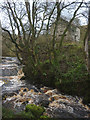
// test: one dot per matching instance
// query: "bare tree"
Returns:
(30, 19)
(69, 24)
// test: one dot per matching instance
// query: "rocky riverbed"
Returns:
(17, 94)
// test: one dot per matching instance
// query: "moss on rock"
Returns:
(37, 111)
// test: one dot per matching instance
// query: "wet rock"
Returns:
(44, 89)
(55, 97)
(25, 90)
(58, 113)
(21, 93)
(51, 99)
(9, 94)
(65, 112)
(44, 103)
(42, 100)
(22, 90)
(39, 93)
(50, 92)
(32, 91)
(60, 107)
(74, 110)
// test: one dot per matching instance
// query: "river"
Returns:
(11, 74)
(17, 93)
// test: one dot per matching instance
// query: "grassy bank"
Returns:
(67, 73)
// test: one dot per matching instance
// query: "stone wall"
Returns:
(72, 34)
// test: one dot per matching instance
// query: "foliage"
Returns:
(7, 46)
(45, 60)
(31, 112)
(76, 73)
(44, 117)
(67, 67)
(6, 113)
(66, 72)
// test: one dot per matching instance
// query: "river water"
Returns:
(9, 79)
(17, 93)
(11, 74)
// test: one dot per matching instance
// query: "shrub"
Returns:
(77, 73)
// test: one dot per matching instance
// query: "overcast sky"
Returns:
(66, 14)
(46, 0)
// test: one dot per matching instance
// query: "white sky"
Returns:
(45, 0)
(65, 13)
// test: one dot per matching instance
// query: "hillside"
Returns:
(7, 45)
(83, 30)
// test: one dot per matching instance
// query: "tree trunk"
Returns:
(87, 45)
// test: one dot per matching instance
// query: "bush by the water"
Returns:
(68, 68)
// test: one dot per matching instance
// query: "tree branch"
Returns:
(17, 46)
(63, 35)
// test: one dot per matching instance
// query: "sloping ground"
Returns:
(83, 30)
(7, 46)
(56, 104)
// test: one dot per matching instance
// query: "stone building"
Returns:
(73, 32)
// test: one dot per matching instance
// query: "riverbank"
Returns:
(17, 94)
(67, 72)
(80, 88)
(55, 104)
